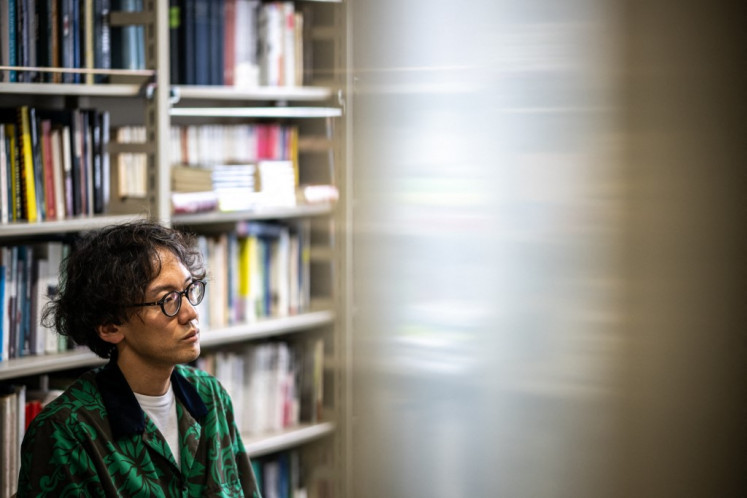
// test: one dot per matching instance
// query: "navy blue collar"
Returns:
(125, 415)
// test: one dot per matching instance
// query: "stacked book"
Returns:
(233, 187)
(226, 187)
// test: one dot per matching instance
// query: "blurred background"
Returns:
(548, 266)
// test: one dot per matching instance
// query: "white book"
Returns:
(288, 13)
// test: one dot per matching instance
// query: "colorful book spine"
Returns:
(28, 184)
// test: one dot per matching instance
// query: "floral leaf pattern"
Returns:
(70, 451)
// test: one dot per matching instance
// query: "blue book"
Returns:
(202, 41)
(12, 20)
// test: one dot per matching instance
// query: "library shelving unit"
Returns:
(147, 98)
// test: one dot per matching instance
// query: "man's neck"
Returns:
(146, 379)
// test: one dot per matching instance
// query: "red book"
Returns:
(48, 165)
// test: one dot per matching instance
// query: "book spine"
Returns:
(54, 38)
(58, 172)
(87, 37)
(77, 40)
(102, 38)
(50, 201)
(15, 172)
(175, 18)
(27, 166)
(105, 159)
(201, 34)
(229, 42)
(67, 47)
(38, 164)
(4, 177)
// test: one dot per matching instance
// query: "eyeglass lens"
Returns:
(173, 301)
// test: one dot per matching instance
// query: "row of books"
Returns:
(233, 187)
(241, 43)
(274, 385)
(131, 167)
(258, 270)
(53, 163)
(280, 475)
(232, 143)
(73, 34)
(28, 277)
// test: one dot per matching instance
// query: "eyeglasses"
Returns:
(171, 303)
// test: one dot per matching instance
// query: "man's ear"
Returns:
(110, 332)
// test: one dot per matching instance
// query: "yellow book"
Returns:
(28, 185)
(244, 267)
(294, 153)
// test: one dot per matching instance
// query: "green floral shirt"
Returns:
(94, 440)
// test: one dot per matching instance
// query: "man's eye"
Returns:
(170, 297)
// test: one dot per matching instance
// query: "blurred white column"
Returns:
(487, 220)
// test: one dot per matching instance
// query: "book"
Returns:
(105, 118)
(77, 38)
(201, 52)
(229, 41)
(50, 201)
(8, 439)
(55, 144)
(38, 164)
(38, 287)
(175, 54)
(87, 39)
(55, 50)
(4, 177)
(102, 57)
(68, 124)
(127, 41)
(14, 166)
(186, 36)
(8, 39)
(27, 176)
(270, 43)
(3, 304)
(95, 156)
(23, 310)
(215, 42)
(65, 13)
(246, 66)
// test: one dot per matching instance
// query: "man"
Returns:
(145, 424)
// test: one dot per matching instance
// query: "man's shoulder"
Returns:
(82, 395)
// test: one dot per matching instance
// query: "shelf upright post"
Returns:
(157, 120)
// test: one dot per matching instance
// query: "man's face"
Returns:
(153, 340)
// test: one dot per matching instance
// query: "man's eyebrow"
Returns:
(165, 287)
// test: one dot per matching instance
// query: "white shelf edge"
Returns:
(264, 213)
(96, 90)
(266, 327)
(296, 93)
(256, 112)
(18, 228)
(37, 364)
(289, 438)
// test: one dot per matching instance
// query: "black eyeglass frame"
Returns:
(181, 294)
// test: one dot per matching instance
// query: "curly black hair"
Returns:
(109, 269)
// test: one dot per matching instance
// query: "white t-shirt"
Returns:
(162, 411)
